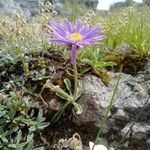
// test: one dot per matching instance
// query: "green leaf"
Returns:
(3, 137)
(12, 146)
(59, 92)
(39, 148)
(62, 94)
(96, 54)
(85, 70)
(87, 61)
(104, 64)
(68, 85)
(78, 109)
(29, 138)
(57, 116)
(80, 89)
(32, 129)
(43, 125)
(18, 138)
(40, 114)
(2, 113)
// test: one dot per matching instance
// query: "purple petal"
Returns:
(78, 25)
(56, 31)
(91, 40)
(97, 38)
(73, 54)
(94, 39)
(91, 33)
(57, 35)
(84, 29)
(81, 43)
(68, 26)
(57, 27)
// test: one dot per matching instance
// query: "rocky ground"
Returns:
(133, 94)
(130, 109)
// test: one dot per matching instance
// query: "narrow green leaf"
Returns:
(68, 85)
(80, 89)
(18, 138)
(29, 138)
(85, 70)
(63, 95)
(57, 116)
(104, 64)
(3, 137)
(87, 61)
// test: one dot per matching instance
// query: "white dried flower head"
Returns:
(92, 12)
(97, 147)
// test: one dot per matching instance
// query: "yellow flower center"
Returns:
(75, 36)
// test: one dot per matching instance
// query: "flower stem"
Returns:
(75, 80)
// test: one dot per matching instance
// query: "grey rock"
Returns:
(30, 6)
(59, 7)
(145, 73)
(8, 6)
(139, 130)
(94, 101)
(148, 141)
(147, 68)
(121, 115)
(26, 7)
(91, 3)
(131, 96)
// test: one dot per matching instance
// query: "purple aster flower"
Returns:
(75, 35)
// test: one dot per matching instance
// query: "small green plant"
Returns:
(95, 60)
(67, 96)
(128, 26)
(136, 35)
(115, 24)
(14, 118)
(35, 123)
(17, 143)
